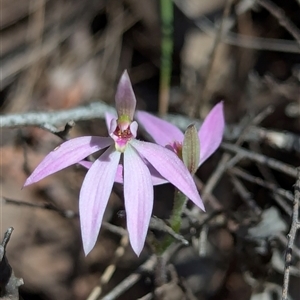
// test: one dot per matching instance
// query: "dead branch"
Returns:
(110, 270)
(155, 223)
(50, 120)
(129, 281)
(291, 238)
(146, 267)
(9, 284)
(257, 180)
(239, 40)
(279, 14)
(262, 159)
(54, 120)
(203, 85)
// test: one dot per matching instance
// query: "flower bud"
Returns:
(191, 149)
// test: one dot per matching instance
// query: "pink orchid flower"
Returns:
(138, 158)
(166, 134)
(156, 178)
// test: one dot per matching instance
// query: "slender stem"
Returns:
(166, 13)
(179, 205)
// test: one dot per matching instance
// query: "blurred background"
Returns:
(60, 54)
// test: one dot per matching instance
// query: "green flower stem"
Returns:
(190, 153)
(179, 205)
(166, 13)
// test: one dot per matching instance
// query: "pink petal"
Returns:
(168, 164)
(125, 98)
(162, 132)
(119, 174)
(138, 194)
(112, 127)
(85, 163)
(211, 132)
(157, 179)
(133, 128)
(94, 195)
(108, 119)
(67, 154)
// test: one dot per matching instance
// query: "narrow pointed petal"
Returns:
(211, 132)
(94, 195)
(162, 132)
(170, 167)
(138, 194)
(67, 154)
(125, 98)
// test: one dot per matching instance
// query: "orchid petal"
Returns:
(108, 119)
(94, 195)
(68, 153)
(85, 163)
(162, 132)
(168, 164)
(112, 127)
(211, 132)
(138, 195)
(157, 179)
(133, 128)
(119, 174)
(125, 98)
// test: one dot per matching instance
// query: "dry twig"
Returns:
(257, 180)
(262, 159)
(110, 270)
(155, 223)
(203, 86)
(246, 196)
(52, 122)
(279, 14)
(9, 284)
(291, 239)
(129, 281)
(239, 40)
(146, 267)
